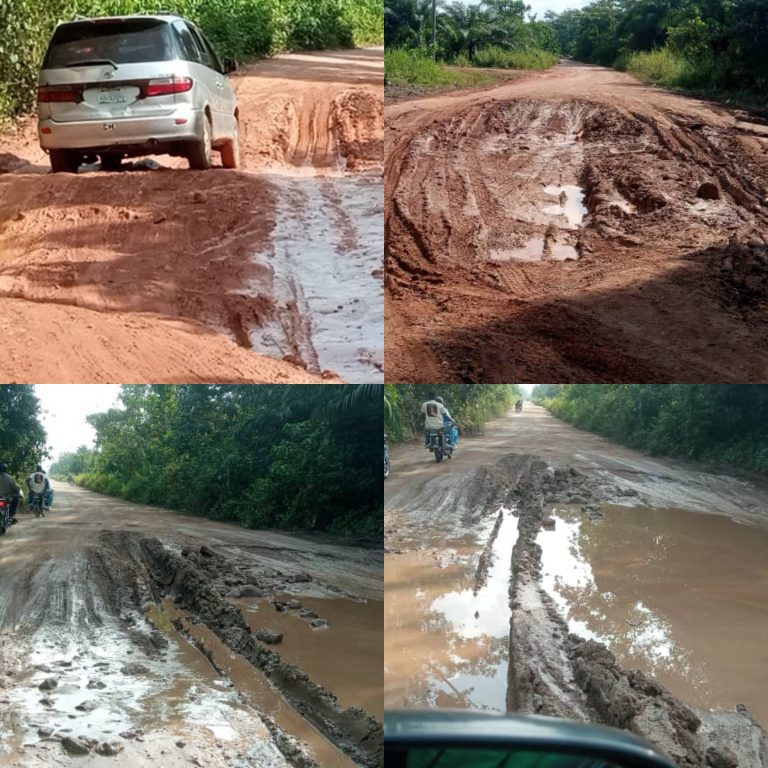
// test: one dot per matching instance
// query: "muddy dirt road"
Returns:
(546, 570)
(575, 225)
(138, 635)
(272, 273)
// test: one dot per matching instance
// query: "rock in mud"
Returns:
(48, 684)
(47, 702)
(298, 578)
(76, 745)
(110, 748)
(251, 590)
(721, 757)
(44, 731)
(319, 623)
(708, 191)
(207, 551)
(307, 614)
(87, 706)
(233, 593)
(135, 668)
(269, 636)
(548, 523)
(294, 605)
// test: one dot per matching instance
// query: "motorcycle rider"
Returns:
(10, 489)
(433, 412)
(38, 482)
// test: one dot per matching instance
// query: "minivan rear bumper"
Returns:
(127, 134)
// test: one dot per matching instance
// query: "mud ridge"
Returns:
(556, 673)
(486, 557)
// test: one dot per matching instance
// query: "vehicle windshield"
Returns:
(119, 42)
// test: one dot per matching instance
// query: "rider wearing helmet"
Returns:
(10, 489)
(38, 482)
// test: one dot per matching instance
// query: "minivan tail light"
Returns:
(167, 85)
(47, 94)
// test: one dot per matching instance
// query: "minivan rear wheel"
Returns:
(65, 161)
(230, 152)
(199, 155)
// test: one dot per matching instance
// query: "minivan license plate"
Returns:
(112, 96)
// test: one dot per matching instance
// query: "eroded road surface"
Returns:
(272, 273)
(136, 635)
(546, 570)
(575, 225)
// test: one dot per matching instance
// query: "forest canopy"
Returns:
(300, 457)
(471, 405)
(713, 422)
(692, 44)
(22, 436)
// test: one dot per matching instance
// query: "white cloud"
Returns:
(65, 407)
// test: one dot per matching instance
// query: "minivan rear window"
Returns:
(122, 42)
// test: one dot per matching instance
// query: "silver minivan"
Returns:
(131, 86)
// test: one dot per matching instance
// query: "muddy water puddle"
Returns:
(260, 692)
(537, 249)
(680, 595)
(570, 203)
(444, 645)
(354, 634)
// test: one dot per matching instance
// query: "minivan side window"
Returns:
(187, 44)
(210, 59)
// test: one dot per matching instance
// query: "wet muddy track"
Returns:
(454, 565)
(170, 648)
(244, 267)
(575, 226)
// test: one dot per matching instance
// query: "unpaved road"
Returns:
(268, 274)
(149, 626)
(643, 608)
(556, 229)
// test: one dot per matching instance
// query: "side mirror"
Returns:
(230, 65)
(454, 739)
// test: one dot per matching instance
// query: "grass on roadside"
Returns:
(500, 58)
(702, 79)
(414, 67)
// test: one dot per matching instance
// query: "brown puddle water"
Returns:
(345, 657)
(444, 646)
(261, 693)
(678, 594)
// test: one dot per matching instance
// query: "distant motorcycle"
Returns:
(37, 504)
(386, 458)
(519, 406)
(440, 446)
(5, 515)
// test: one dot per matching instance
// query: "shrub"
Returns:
(501, 58)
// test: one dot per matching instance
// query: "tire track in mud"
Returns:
(671, 254)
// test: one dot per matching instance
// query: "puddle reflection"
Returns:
(668, 591)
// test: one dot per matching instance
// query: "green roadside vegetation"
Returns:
(494, 35)
(709, 48)
(724, 423)
(472, 405)
(300, 457)
(22, 436)
(239, 29)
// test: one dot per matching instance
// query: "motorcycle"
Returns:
(37, 504)
(439, 445)
(5, 515)
(386, 458)
(518, 407)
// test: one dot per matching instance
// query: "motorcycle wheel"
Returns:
(438, 454)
